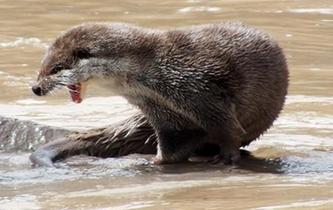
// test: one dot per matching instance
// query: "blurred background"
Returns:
(297, 150)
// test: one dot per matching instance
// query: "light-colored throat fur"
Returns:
(118, 77)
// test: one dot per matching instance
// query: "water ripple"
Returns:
(21, 41)
(199, 9)
(326, 11)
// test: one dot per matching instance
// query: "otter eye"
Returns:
(56, 69)
(82, 54)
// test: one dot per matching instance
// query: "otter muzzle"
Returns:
(37, 90)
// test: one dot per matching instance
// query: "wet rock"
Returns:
(26, 135)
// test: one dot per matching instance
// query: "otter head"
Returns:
(74, 57)
(63, 55)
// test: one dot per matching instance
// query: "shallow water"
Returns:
(293, 164)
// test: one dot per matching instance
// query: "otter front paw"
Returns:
(157, 160)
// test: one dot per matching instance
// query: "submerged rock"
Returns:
(26, 135)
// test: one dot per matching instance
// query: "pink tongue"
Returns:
(75, 92)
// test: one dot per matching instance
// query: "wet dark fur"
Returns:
(221, 84)
(134, 135)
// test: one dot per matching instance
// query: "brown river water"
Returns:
(293, 164)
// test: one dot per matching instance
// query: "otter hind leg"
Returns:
(224, 129)
(229, 143)
(177, 145)
(178, 137)
(67, 146)
(44, 156)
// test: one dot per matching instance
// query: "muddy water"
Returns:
(293, 164)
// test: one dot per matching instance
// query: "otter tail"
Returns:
(134, 135)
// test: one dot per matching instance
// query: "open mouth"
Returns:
(75, 92)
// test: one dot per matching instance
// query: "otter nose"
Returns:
(37, 90)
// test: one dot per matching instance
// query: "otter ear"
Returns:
(81, 53)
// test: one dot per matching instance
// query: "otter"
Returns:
(217, 84)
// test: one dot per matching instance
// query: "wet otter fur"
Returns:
(218, 84)
(133, 135)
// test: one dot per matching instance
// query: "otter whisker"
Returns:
(72, 90)
(57, 88)
(65, 79)
(61, 84)
(51, 92)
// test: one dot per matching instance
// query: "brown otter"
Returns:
(221, 84)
